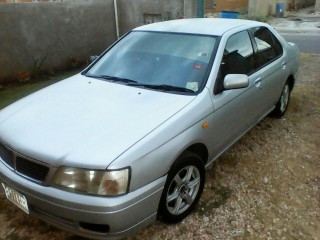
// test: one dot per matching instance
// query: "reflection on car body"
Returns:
(108, 151)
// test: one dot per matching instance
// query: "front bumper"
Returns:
(89, 216)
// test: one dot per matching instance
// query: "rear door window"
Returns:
(268, 46)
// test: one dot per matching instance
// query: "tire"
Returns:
(282, 104)
(183, 188)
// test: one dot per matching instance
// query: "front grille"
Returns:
(7, 155)
(22, 165)
(31, 169)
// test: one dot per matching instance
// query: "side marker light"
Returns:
(205, 125)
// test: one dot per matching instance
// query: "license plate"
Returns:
(17, 198)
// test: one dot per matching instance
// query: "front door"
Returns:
(235, 111)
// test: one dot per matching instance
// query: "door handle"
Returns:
(257, 82)
(284, 65)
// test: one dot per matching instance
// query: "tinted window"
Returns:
(237, 58)
(277, 45)
(268, 47)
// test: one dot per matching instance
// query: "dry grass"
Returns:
(265, 187)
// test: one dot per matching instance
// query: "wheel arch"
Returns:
(291, 82)
(186, 161)
(200, 149)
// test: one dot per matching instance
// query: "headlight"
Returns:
(96, 182)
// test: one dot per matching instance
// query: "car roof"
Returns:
(205, 26)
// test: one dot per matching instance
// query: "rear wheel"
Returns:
(183, 188)
(283, 102)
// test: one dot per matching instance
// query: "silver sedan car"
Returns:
(108, 151)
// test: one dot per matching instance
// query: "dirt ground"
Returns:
(265, 187)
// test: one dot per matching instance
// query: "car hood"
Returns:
(85, 122)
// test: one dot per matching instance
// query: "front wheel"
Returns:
(283, 102)
(183, 188)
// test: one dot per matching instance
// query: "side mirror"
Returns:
(93, 58)
(235, 81)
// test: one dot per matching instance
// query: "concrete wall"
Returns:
(258, 8)
(298, 4)
(62, 32)
(291, 5)
(239, 5)
(190, 8)
(317, 6)
(263, 8)
(131, 13)
(68, 32)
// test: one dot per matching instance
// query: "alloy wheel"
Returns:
(183, 190)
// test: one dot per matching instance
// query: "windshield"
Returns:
(147, 59)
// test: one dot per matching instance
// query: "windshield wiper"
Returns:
(112, 78)
(164, 87)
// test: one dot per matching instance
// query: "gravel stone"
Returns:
(265, 180)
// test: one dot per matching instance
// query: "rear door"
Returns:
(271, 66)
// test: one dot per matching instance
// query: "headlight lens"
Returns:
(96, 182)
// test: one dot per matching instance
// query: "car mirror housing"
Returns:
(235, 81)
